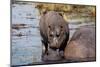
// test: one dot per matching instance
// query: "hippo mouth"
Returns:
(54, 45)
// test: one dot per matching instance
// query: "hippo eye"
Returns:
(61, 26)
(51, 35)
(49, 26)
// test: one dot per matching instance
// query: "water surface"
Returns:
(26, 41)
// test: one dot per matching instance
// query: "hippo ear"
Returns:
(44, 12)
(61, 14)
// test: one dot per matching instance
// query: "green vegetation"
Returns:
(68, 11)
(65, 8)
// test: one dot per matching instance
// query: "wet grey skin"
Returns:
(54, 32)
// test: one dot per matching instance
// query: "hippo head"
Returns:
(56, 29)
(56, 34)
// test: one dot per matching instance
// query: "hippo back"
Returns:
(82, 46)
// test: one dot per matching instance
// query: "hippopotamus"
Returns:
(82, 46)
(54, 31)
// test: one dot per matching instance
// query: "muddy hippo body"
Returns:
(54, 31)
(82, 46)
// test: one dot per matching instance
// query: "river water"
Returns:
(26, 45)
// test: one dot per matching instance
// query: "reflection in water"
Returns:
(26, 40)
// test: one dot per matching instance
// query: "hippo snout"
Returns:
(55, 43)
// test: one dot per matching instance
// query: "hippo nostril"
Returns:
(55, 40)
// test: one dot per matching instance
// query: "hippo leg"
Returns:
(61, 53)
(63, 45)
(46, 47)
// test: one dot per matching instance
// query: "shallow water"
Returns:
(27, 47)
(26, 42)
